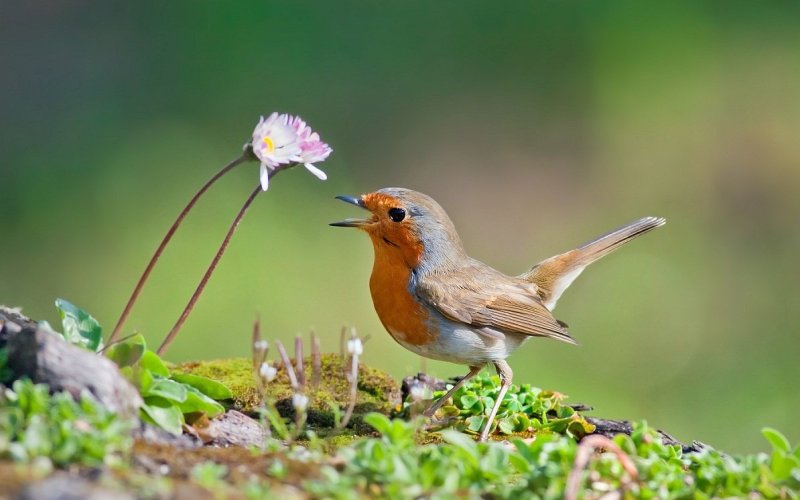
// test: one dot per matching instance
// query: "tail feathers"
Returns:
(607, 243)
(552, 276)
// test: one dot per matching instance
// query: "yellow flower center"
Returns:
(270, 144)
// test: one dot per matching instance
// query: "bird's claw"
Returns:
(435, 425)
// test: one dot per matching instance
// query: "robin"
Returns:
(438, 302)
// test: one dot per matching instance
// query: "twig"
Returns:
(342, 342)
(355, 347)
(200, 287)
(287, 364)
(316, 360)
(585, 449)
(298, 360)
(260, 348)
(300, 404)
(260, 351)
(258, 342)
(246, 155)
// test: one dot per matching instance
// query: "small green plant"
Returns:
(524, 409)
(35, 425)
(79, 327)
(168, 397)
(210, 475)
(395, 466)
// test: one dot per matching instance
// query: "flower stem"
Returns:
(188, 309)
(247, 155)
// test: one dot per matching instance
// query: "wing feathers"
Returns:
(502, 307)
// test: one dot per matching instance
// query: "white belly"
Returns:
(458, 343)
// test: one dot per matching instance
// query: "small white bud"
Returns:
(260, 345)
(267, 372)
(300, 402)
(355, 347)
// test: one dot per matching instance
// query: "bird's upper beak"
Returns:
(357, 201)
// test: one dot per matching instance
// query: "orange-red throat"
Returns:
(398, 251)
(390, 227)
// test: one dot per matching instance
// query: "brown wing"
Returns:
(505, 305)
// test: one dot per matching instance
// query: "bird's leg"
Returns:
(473, 370)
(504, 370)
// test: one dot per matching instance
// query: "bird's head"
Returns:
(406, 225)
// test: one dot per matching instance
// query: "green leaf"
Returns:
(783, 464)
(151, 361)
(164, 414)
(379, 422)
(196, 401)
(127, 353)
(469, 400)
(80, 328)
(777, 440)
(506, 426)
(519, 462)
(523, 422)
(450, 411)
(167, 389)
(460, 440)
(145, 379)
(475, 423)
(209, 474)
(210, 388)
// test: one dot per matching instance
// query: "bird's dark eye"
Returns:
(397, 214)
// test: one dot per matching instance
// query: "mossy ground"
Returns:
(377, 391)
(397, 464)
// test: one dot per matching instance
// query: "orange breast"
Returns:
(399, 311)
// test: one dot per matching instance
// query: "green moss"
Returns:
(235, 373)
(342, 440)
(377, 391)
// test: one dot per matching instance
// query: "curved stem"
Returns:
(199, 290)
(150, 265)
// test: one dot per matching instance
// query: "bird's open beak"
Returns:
(357, 201)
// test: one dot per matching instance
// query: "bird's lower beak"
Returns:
(357, 201)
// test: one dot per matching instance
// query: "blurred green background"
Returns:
(537, 125)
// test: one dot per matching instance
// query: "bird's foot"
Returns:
(436, 425)
(429, 412)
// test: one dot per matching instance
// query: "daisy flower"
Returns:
(275, 143)
(312, 149)
(282, 139)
